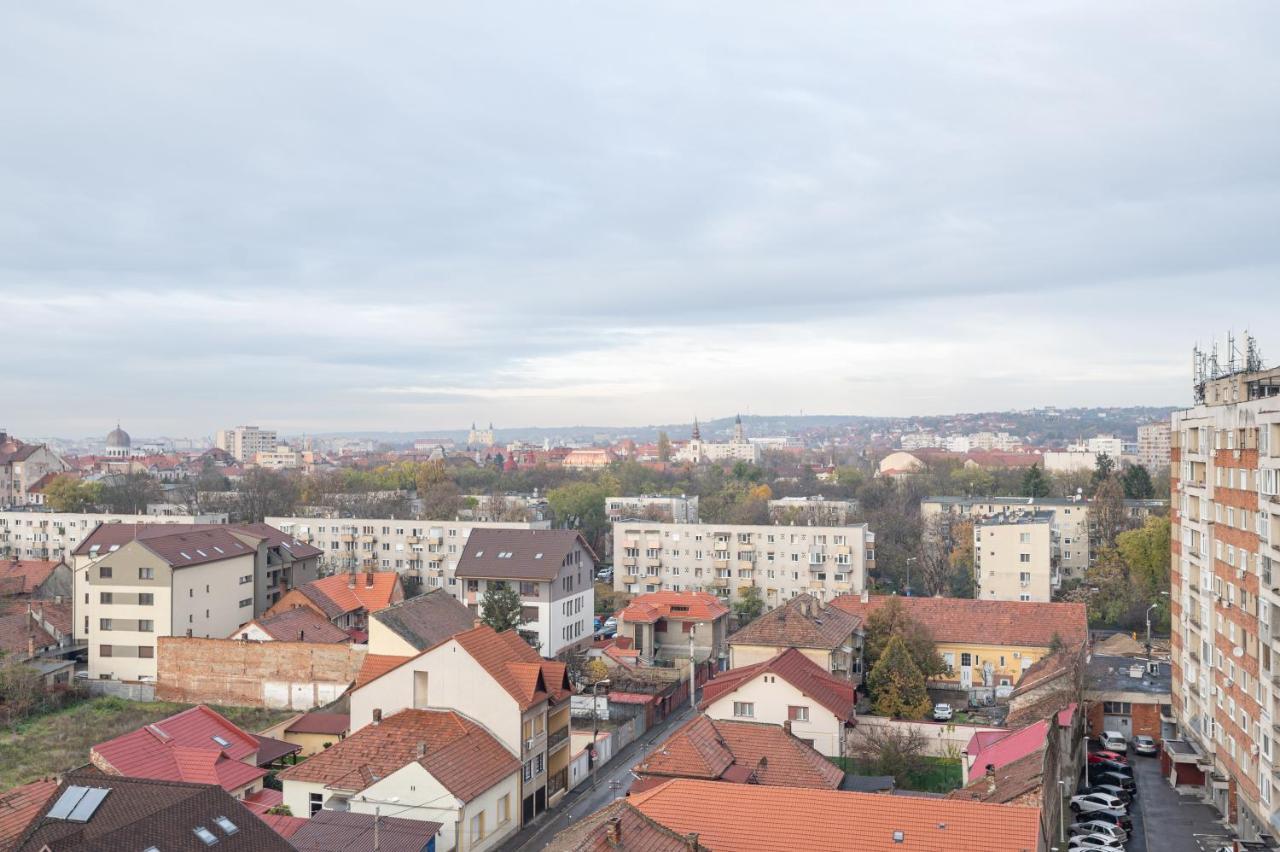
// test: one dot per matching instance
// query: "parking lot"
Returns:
(1164, 821)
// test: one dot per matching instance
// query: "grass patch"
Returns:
(936, 774)
(52, 743)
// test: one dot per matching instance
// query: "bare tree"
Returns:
(889, 749)
(933, 556)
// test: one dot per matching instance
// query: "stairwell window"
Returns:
(744, 709)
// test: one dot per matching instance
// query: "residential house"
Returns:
(497, 680)
(740, 817)
(665, 625)
(433, 765)
(787, 689)
(345, 599)
(413, 625)
(552, 570)
(301, 624)
(22, 465)
(19, 807)
(39, 634)
(316, 731)
(92, 812)
(346, 830)
(985, 644)
(35, 578)
(737, 752)
(827, 635)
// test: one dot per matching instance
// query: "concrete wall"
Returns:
(944, 740)
(292, 675)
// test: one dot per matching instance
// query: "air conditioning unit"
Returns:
(528, 745)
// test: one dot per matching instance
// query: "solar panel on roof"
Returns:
(83, 812)
(66, 802)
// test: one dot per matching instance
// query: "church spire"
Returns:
(697, 436)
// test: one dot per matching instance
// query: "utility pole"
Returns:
(595, 726)
(693, 683)
(377, 812)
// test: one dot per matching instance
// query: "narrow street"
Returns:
(612, 780)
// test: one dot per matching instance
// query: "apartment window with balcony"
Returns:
(1024, 577)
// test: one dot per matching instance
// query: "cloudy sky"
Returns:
(411, 215)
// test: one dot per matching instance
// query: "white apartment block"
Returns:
(53, 535)
(812, 511)
(1013, 557)
(1226, 599)
(245, 442)
(283, 457)
(426, 551)
(1154, 443)
(679, 510)
(780, 561)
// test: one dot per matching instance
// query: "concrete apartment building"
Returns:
(54, 535)
(724, 559)
(22, 465)
(679, 510)
(134, 582)
(422, 551)
(812, 511)
(245, 442)
(1154, 443)
(1225, 602)
(552, 571)
(1013, 557)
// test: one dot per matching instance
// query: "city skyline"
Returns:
(413, 220)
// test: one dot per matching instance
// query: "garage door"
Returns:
(1123, 724)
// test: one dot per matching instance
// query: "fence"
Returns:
(942, 739)
(120, 689)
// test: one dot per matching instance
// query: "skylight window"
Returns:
(205, 835)
(226, 825)
(184, 554)
(202, 553)
(479, 553)
(537, 556)
(219, 549)
(113, 548)
(222, 741)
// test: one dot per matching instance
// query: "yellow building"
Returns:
(984, 643)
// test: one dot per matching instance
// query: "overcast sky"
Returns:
(410, 216)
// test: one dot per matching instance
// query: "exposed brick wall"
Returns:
(294, 675)
(1144, 719)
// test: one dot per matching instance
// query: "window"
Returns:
(146, 599)
(798, 714)
(104, 572)
(504, 809)
(146, 573)
(744, 709)
(315, 802)
(104, 624)
(104, 597)
(537, 764)
(104, 650)
(205, 835)
(528, 770)
(147, 652)
(477, 827)
(243, 603)
(966, 659)
(1024, 557)
(247, 578)
(146, 625)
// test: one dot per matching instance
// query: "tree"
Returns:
(1106, 513)
(1145, 552)
(441, 501)
(1034, 482)
(664, 447)
(973, 481)
(897, 685)
(1103, 468)
(1137, 483)
(933, 556)
(749, 605)
(961, 557)
(891, 621)
(67, 493)
(266, 492)
(897, 750)
(129, 494)
(595, 670)
(580, 506)
(500, 607)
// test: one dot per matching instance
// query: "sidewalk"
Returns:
(612, 780)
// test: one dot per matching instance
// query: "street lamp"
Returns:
(907, 591)
(595, 725)
(1153, 606)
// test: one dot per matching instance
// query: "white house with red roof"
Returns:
(661, 625)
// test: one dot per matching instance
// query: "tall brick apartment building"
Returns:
(1225, 597)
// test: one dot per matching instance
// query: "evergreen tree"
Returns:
(1035, 483)
(897, 684)
(749, 605)
(500, 607)
(1137, 483)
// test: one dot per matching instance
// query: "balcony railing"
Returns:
(557, 738)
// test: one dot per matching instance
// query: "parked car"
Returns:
(1124, 782)
(1090, 802)
(1113, 741)
(605, 575)
(1113, 756)
(1094, 843)
(1110, 789)
(611, 623)
(1098, 826)
(1143, 744)
(942, 713)
(1111, 766)
(1115, 817)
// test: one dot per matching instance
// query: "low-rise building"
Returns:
(345, 599)
(299, 624)
(349, 830)
(725, 559)
(1013, 557)
(551, 570)
(667, 626)
(1129, 695)
(22, 465)
(588, 458)
(316, 731)
(437, 766)
(828, 636)
(814, 511)
(984, 644)
(35, 578)
(738, 448)
(413, 625)
(789, 689)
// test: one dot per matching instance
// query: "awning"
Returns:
(270, 750)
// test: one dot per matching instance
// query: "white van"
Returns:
(1113, 741)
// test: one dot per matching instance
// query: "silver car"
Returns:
(1143, 744)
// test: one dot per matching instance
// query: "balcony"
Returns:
(629, 561)
(412, 539)
(720, 583)
(557, 739)
(629, 578)
(346, 538)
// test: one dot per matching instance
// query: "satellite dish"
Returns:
(1237, 651)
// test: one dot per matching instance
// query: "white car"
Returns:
(1113, 741)
(942, 712)
(1097, 802)
(1099, 828)
(1142, 744)
(1095, 843)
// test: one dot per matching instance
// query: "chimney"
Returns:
(691, 841)
(613, 831)
(368, 580)
(31, 645)
(351, 578)
(865, 596)
(422, 749)
(991, 779)
(786, 725)
(377, 715)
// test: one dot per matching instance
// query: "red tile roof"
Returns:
(261, 801)
(978, 622)
(338, 594)
(182, 748)
(299, 624)
(678, 606)
(984, 752)
(285, 826)
(764, 754)
(1018, 782)
(320, 723)
(18, 632)
(23, 576)
(636, 832)
(354, 832)
(802, 622)
(835, 694)
(278, 538)
(465, 758)
(515, 665)
(746, 817)
(19, 806)
(56, 615)
(376, 665)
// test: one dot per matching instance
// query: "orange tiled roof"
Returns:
(795, 668)
(458, 753)
(19, 806)
(372, 591)
(376, 665)
(515, 665)
(681, 606)
(24, 576)
(746, 817)
(978, 622)
(732, 750)
(802, 622)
